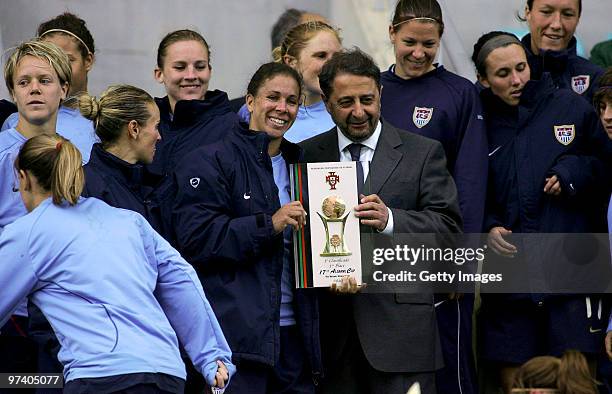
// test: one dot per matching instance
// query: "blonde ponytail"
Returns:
(277, 55)
(56, 164)
(116, 107)
(297, 39)
(68, 178)
(89, 107)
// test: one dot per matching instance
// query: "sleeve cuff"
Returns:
(564, 177)
(388, 230)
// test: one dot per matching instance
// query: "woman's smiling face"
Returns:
(185, 72)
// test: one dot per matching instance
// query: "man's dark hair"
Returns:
(351, 61)
(288, 20)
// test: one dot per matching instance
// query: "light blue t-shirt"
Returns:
(281, 179)
(310, 121)
(70, 125)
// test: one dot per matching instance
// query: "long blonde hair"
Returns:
(56, 164)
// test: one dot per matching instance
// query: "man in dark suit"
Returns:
(381, 343)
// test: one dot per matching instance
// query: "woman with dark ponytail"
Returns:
(192, 115)
(117, 295)
(423, 97)
(558, 187)
(545, 374)
(234, 218)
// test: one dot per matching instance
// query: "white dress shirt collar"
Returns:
(370, 142)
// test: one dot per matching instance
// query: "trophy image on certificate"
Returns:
(334, 220)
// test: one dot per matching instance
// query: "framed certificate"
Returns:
(329, 246)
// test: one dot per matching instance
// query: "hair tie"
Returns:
(58, 146)
(66, 32)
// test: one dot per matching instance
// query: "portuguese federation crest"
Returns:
(421, 116)
(332, 180)
(580, 83)
(565, 134)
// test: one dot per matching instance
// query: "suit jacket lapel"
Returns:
(328, 148)
(385, 159)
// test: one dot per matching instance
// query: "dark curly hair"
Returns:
(75, 25)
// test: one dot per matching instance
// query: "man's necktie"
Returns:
(355, 151)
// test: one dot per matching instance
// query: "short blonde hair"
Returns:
(44, 50)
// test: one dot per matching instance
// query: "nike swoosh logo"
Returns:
(246, 196)
(495, 150)
(593, 331)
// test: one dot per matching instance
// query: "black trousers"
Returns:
(353, 374)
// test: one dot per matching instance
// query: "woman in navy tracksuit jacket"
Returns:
(425, 98)
(116, 172)
(231, 197)
(191, 115)
(192, 124)
(557, 55)
(545, 176)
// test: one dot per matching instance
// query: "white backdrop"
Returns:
(127, 32)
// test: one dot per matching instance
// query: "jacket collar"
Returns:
(537, 90)
(548, 60)
(291, 152)
(386, 158)
(188, 112)
(258, 141)
(133, 174)
(439, 69)
(567, 52)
